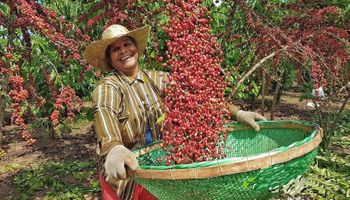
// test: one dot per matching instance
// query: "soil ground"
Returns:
(77, 146)
(80, 144)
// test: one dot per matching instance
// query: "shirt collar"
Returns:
(139, 77)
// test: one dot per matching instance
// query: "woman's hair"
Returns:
(108, 56)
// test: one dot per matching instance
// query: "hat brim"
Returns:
(95, 52)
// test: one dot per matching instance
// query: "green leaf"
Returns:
(89, 112)
(161, 119)
(5, 10)
(36, 185)
(248, 182)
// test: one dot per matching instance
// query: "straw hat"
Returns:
(95, 51)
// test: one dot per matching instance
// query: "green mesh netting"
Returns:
(240, 144)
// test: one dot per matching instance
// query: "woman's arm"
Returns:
(107, 100)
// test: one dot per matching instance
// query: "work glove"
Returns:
(249, 118)
(120, 163)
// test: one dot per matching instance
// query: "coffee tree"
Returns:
(35, 77)
(305, 41)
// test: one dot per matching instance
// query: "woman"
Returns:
(127, 104)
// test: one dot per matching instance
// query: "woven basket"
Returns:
(255, 164)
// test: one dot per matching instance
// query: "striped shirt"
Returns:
(123, 106)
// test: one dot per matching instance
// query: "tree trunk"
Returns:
(2, 114)
(283, 83)
(274, 101)
(52, 133)
(263, 93)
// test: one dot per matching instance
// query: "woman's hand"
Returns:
(117, 160)
(249, 118)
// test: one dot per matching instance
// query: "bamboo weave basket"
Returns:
(256, 163)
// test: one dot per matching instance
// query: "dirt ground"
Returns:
(80, 144)
(77, 146)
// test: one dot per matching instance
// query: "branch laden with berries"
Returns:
(26, 23)
(309, 38)
(194, 95)
(315, 40)
(316, 44)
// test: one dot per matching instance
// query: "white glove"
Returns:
(117, 160)
(249, 118)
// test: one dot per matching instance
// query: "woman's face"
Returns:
(124, 55)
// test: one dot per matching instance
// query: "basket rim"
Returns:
(226, 166)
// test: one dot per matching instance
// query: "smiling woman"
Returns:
(126, 107)
(122, 55)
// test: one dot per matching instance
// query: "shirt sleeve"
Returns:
(106, 104)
